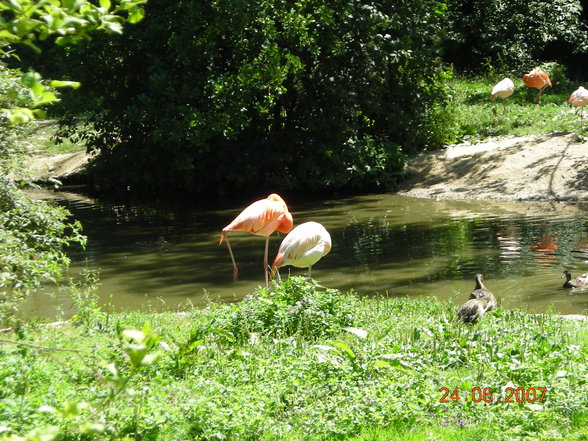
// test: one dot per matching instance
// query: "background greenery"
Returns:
(514, 35)
(220, 97)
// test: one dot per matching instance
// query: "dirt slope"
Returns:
(65, 167)
(545, 167)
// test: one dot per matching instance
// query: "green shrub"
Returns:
(296, 306)
(210, 97)
(33, 238)
(33, 233)
(558, 74)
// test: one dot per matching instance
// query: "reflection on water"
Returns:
(162, 256)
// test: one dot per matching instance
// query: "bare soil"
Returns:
(63, 167)
(537, 167)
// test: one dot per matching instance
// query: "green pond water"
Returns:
(386, 245)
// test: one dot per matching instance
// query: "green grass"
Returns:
(476, 118)
(39, 139)
(294, 364)
(574, 429)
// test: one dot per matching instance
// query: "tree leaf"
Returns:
(59, 83)
(105, 4)
(136, 15)
(15, 5)
(345, 348)
(46, 98)
(8, 36)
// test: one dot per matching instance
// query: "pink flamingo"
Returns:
(262, 218)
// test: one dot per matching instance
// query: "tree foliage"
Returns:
(215, 97)
(26, 22)
(514, 34)
(33, 234)
(33, 238)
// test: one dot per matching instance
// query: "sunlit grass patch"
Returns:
(39, 137)
(476, 118)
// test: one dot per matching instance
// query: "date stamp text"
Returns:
(487, 395)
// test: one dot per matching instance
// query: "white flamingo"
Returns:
(503, 89)
(579, 99)
(304, 246)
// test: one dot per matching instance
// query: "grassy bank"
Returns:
(40, 138)
(475, 117)
(297, 362)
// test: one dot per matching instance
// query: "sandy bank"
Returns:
(538, 167)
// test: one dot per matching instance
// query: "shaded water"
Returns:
(382, 245)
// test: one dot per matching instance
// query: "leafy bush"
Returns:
(295, 306)
(33, 238)
(558, 74)
(219, 97)
(33, 233)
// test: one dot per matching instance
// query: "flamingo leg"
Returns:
(265, 265)
(235, 269)
(310, 271)
(538, 98)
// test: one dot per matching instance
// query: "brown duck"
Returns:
(480, 302)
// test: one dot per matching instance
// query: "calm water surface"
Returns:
(382, 245)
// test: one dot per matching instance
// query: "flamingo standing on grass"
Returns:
(304, 246)
(503, 89)
(262, 218)
(579, 99)
(537, 79)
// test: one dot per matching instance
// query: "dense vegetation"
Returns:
(220, 97)
(296, 362)
(514, 35)
(214, 97)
